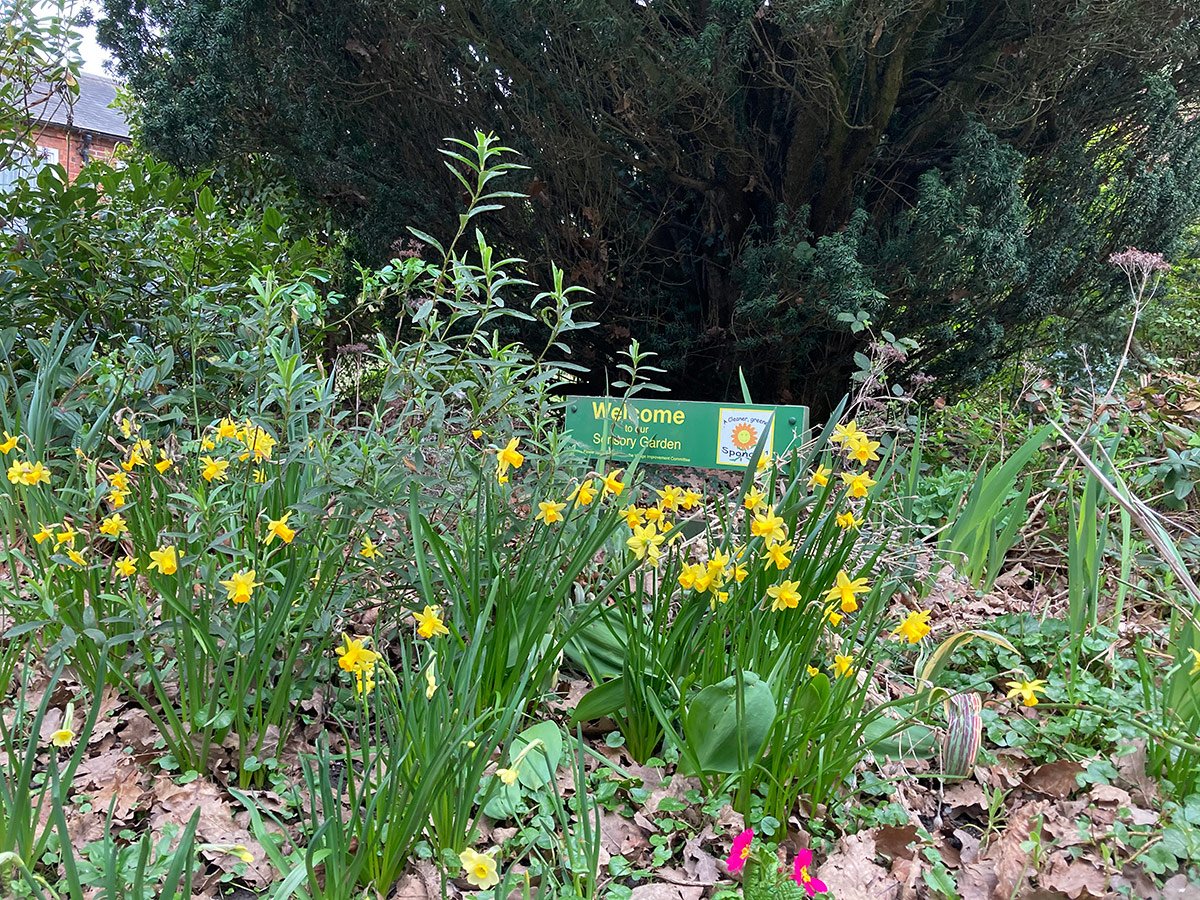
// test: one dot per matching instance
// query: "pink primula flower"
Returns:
(812, 886)
(740, 851)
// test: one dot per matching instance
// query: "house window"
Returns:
(23, 165)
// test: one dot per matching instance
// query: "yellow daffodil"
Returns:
(813, 671)
(717, 562)
(431, 684)
(480, 868)
(1026, 690)
(768, 526)
(63, 737)
(688, 575)
(364, 682)
(278, 528)
(368, 550)
(550, 511)
(508, 776)
(429, 622)
(754, 499)
(652, 514)
(227, 429)
(613, 483)
(690, 499)
(44, 533)
(843, 666)
(207, 444)
(1192, 650)
(833, 616)
(356, 659)
(847, 521)
(237, 851)
(9, 443)
(915, 626)
(119, 481)
(117, 498)
(778, 555)
(633, 515)
(113, 525)
(508, 457)
(164, 462)
(645, 542)
(820, 477)
(857, 483)
(125, 566)
(258, 443)
(846, 591)
(240, 586)
(739, 573)
(133, 460)
(76, 557)
(214, 469)
(670, 497)
(354, 656)
(66, 535)
(165, 559)
(862, 450)
(28, 474)
(583, 494)
(476, 433)
(848, 432)
(785, 595)
(763, 461)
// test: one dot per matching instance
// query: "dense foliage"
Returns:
(731, 176)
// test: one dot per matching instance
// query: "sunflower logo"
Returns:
(745, 436)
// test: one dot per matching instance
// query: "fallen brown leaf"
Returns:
(1078, 879)
(1011, 863)
(666, 892)
(1177, 887)
(893, 841)
(965, 794)
(700, 865)
(177, 802)
(620, 836)
(1056, 779)
(1131, 771)
(977, 881)
(851, 871)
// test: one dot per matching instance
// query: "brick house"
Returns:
(70, 131)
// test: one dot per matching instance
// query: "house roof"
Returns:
(91, 110)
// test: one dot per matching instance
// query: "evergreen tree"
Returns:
(727, 175)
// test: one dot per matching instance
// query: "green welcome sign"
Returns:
(680, 432)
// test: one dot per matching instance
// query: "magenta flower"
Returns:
(740, 851)
(812, 886)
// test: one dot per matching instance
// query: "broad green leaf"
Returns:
(723, 737)
(541, 760)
